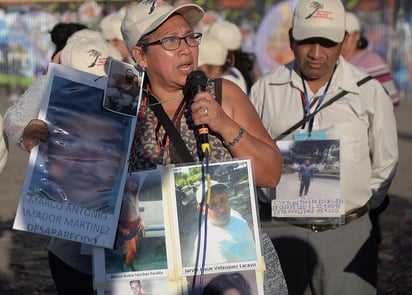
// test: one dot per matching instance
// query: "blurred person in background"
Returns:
(355, 50)
(212, 56)
(87, 34)
(110, 27)
(61, 32)
(3, 147)
(230, 36)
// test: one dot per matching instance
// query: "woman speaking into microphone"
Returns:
(161, 40)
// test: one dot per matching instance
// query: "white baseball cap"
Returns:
(211, 51)
(86, 34)
(147, 16)
(227, 33)
(89, 55)
(319, 19)
(352, 23)
(110, 26)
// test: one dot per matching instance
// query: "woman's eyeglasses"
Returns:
(173, 42)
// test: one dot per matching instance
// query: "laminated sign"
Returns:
(74, 182)
(166, 245)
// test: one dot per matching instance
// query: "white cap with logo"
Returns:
(88, 55)
(319, 19)
(147, 16)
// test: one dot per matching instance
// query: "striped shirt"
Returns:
(375, 66)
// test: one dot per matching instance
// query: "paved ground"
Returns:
(23, 262)
(395, 268)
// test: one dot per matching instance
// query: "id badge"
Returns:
(315, 135)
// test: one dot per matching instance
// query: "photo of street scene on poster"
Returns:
(310, 181)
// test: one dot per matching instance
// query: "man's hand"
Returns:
(33, 133)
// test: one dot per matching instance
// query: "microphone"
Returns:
(197, 81)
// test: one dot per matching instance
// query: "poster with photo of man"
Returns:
(310, 183)
(74, 182)
(123, 88)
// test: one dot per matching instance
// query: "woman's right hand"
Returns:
(35, 131)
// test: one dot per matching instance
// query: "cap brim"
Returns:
(331, 34)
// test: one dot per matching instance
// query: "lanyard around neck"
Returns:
(308, 105)
(169, 125)
(328, 103)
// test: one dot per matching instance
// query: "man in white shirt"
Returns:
(229, 238)
(345, 257)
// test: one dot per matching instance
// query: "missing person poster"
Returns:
(74, 182)
(179, 239)
(309, 190)
(123, 86)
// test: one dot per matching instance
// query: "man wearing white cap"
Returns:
(330, 259)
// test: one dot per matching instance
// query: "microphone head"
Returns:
(197, 81)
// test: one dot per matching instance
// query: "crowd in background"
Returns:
(26, 46)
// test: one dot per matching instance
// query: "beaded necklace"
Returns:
(161, 143)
